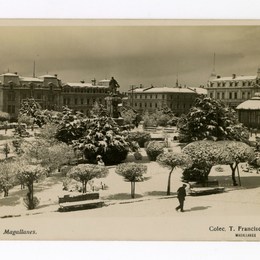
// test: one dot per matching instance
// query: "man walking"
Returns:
(181, 194)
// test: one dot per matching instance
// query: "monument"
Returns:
(113, 100)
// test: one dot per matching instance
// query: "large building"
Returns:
(178, 99)
(235, 89)
(249, 112)
(50, 93)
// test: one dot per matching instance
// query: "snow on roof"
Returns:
(251, 104)
(30, 79)
(9, 74)
(82, 85)
(48, 76)
(104, 80)
(234, 79)
(162, 90)
(202, 91)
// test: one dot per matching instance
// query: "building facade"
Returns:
(178, 99)
(249, 112)
(233, 90)
(50, 93)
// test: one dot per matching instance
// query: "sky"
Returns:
(133, 55)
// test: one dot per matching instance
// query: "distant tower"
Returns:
(177, 81)
(34, 69)
(213, 74)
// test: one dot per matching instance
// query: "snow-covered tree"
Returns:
(211, 119)
(171, 161)
(132, 172)
(85, 172)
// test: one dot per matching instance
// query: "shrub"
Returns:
(193, 174)
(31, 205)
(138, 155)
(140, 137)
(154, 149)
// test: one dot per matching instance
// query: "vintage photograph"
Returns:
(130, 130)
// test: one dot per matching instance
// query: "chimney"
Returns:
(56, 75)
(233, 76)
(93, 82)
(141, 85)
(16, 73)
(218, 77)
(82, 81)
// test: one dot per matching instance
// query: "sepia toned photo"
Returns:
(130, 130)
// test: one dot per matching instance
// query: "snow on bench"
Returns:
(79, 202)
(206, 188)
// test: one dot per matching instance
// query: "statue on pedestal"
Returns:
(113, 86)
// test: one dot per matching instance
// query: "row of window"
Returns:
(77, 101)
(231, 95)
(147, 96)
(178, 106)
(232, 83)
(85, 90)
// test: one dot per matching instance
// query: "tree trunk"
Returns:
(169, 183)
(132, 189)
(233, 174)
(239, 180)
(30, 196)
(84, 187)
(6, 193)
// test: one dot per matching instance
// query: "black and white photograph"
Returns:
(130, 130)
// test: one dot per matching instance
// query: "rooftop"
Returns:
(251, 104)
(162, 90)
(83, 85)
(231, 78)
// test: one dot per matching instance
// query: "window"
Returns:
(248, 95)
(76, 101)
(243, 83)
(13, 109)
(64, 101)
(82, 101)
(224, 84)
(218, 95)
(155, 104)
(218, 84)
(151, 104)
(151, 96)
(68, 101)
(249, 83)
(243, 95)
(223, 95)
(135, 104)
(87, 101)
(211, 95)
(145, 105)
(140, 104)
(230, 83)
(163, 96)
(156, 96)
(230, 95)
(236, 83)
(235, 95)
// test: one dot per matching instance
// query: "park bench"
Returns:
(205, 188)
(79, 202)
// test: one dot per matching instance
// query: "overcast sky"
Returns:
(133, 55)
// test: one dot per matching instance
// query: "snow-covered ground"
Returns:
(150, 216)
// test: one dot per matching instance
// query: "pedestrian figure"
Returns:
(181, 194)
(100, 161)
(6, 127)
